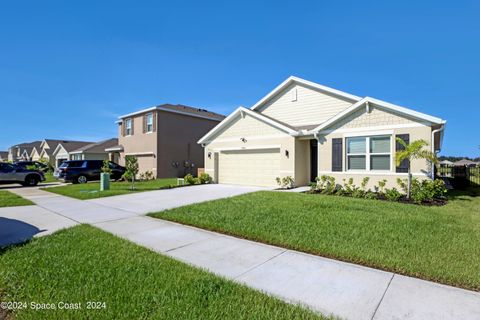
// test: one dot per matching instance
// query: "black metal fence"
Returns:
(460, 176)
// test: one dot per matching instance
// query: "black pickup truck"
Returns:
(82, 171)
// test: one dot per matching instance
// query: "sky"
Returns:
(68, 69)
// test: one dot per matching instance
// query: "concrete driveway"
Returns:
(151, 201)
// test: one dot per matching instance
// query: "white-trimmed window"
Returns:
(128, 127)
(149, 122)
(371, 153)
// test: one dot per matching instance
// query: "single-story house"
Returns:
(3, 156)
(21, 152)
(445, 163)
(94, 151)
(465, 163)
(46, 150)
(303, 130)
(163, 138)
(63, 150)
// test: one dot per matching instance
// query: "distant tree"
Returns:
(414, 150)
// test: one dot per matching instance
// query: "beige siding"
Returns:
(376, 117)
(361, 124)
(310, 107)
(258, 135)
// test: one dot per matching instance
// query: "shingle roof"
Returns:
(180, 108)
(69, 146)
(464, 162)
(98, 147)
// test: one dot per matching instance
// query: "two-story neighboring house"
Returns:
(163, 138)
(303, 130)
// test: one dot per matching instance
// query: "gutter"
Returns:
(441, 130)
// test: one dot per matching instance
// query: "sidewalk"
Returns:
(328, 286)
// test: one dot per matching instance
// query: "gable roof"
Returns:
(69, 146)
(382, 104)
(97, 147)
(181, 109)
(254, 114)
(292, 79)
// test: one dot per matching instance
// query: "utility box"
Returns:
(104, 181)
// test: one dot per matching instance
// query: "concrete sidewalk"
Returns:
(328, 286)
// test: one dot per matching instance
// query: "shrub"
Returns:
(381, 186)
(427, 190)
(364, 183)
(189, 179)
(106, 167)
(371, 195)
(392, 194)
(348, 186)
(286, 182)
(205, 178)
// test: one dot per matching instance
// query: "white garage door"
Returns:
(249, 167)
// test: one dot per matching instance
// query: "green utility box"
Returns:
(104, 181)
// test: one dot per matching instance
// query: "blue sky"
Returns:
(69, 68)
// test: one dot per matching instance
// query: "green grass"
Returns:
(86, 264)
(435, 243)
(9, 199)
(49, 178)
(91, 190)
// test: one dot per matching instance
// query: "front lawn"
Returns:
(84, 264)
(435, 243)
(9, 199)
(91, 190)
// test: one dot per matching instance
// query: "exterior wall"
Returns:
(138, 144)
(311, 106)
(172, 144)
(257, 134)
(361, 124)
(177, 143)
(89, 156)
(62, 154)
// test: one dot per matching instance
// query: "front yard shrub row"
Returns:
(422, 192)
(203, 178)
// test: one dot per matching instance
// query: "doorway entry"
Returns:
(313, 159)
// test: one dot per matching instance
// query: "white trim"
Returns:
(148, 153)
(114, 149)
(293, 79)
(234, 139)
(379, 173)
(371, 129)
(368, 133)
(266, 147)
(381, 104)
(254, 114)
(166, 110)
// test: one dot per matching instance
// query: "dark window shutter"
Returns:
(144, 123)
(337, 154)
(154, 121)
(123, 127)
(405, 164)
(131, 121)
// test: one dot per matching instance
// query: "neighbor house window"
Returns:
(368, 153)
(128, 127)
(150, 122)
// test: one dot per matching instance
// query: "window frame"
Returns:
(149, 116)
(368, 154)
(128, 127)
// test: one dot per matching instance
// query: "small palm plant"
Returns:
(414, 150)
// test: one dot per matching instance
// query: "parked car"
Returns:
(11, 173)
(26, 164)
(82, 171)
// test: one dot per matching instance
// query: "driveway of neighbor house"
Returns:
(328, 286)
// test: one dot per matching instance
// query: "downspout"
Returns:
(442, 128)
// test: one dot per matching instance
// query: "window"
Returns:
(150, 122)
(368, 153)
(128, 127)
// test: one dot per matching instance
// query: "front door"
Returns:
(313, 159)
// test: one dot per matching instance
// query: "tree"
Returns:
(414, 150)
(131, 168)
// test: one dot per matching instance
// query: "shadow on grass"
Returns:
(465, 194)
(14, 231)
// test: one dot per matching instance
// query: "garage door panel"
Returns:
(249, 167)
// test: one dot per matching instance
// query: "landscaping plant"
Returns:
(414, 150)
(131, 169)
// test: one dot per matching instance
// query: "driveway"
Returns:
(151, 201)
